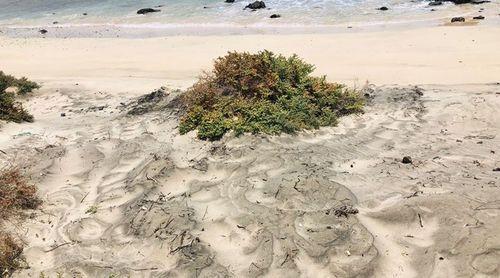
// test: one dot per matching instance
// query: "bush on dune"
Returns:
(10, 108)
(263, 93)
(15, 195)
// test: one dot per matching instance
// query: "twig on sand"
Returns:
(3, 152)
(60, 245)
(286, 259)
(81, 201)
(277, 192)
(420, 220)
(182, 247)
(151, 179)
(415, 194)
(144, 269)
(205, 214)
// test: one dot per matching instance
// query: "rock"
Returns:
(475, 2)
(229, 1)
(479, 17)
(383, 8)
(55, 22)
(256, 5)
(275, 16)
(43, 31)
(63, 114)
(147, 10)
(496, 169)
(458, 19)
(436, 3)
(407, 160)
(84, 14)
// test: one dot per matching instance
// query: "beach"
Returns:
(128, 196)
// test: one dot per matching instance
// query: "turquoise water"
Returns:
(218, 13)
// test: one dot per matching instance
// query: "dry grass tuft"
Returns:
(15, 193)
(10, 253)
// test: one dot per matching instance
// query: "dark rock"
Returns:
(479, 17)
(147, 10)
(436, 3)
(229, 1)
(55, 22)
(63, 114)
(475, 2)
(275, 16)
(43, 31)
(85, 14)
(458, 19)
(407, 160)
(383, 8)
(496, 169)
(256, 5)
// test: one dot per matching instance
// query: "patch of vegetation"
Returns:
(15, 193)
(10, 108)
(10, 253)
(92, 210)
(263, 93)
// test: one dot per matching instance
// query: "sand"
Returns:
(126, 195)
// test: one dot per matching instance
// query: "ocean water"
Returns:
(218, 13)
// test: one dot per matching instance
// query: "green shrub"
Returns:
(10, 109)
(263, 93)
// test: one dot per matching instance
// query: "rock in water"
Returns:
(256, 5)
(436, 3)
(147, 10)
(458, 19)
(407, 160)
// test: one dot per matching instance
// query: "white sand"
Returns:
(170, 205)
(438, 55)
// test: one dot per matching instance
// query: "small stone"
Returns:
(479, 17)
(256, 5)
(43, 31)
(407, 160)
(147, 10)
(384, 8)
(275, 16)
(458, 19)
(63, 114)
(436, 3)
(496, 169)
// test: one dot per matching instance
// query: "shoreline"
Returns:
(158, 30)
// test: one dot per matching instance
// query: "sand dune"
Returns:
(127, 195)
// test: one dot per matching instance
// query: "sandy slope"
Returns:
(172, 206)
(127, 195)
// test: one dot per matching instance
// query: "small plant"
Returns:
(10, 253)
(15, 193)
(92, 210)
(263, 93)
(10, 109)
